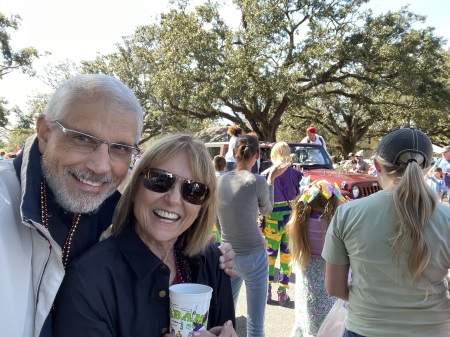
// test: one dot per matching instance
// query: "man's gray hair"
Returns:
(90, 87)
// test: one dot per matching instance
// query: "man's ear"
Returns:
(43, 133)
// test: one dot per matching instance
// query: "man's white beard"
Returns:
(74, 200)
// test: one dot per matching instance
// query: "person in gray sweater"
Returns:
(242, 197)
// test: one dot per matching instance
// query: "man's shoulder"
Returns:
(321, 140)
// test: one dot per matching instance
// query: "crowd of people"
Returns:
(386, 254)
(7, 155)
(304, 230)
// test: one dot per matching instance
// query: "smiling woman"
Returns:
(161, 231)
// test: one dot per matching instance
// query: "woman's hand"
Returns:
(226, 261)
(226, 330)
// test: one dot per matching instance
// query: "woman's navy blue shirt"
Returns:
(120, 288)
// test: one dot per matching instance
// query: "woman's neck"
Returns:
(163, 250)
(244, 166)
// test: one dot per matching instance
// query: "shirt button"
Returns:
(162, 293)
(164, 331)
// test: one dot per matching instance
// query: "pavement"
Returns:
(279, 320)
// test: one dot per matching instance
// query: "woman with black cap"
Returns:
(396, 243)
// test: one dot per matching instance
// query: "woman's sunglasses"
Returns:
(161, 181)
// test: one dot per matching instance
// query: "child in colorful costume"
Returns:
(273, 226)
(312, 213)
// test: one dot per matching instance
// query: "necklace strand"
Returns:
(76, 219)
(177, 267)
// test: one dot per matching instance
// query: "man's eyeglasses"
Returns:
(84, 143)
(161, 181)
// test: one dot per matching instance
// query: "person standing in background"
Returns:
(234, 132)
(347, 164)
(396, 243)
(361, 165)
(273, 226)
(435, 181)
(220, 165)
(242, 196)
(335, 162)
(313, 138)
(311, 215)
(255, 168)
(444, 164)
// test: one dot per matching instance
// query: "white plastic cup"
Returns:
(189, 308)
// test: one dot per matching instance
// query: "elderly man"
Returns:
(59, 194)
(444, 164)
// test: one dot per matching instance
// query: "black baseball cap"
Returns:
(405, 140)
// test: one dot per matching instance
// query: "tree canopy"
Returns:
(289, 63)
(286, 65)
(10, 59)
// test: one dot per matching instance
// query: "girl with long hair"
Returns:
(310, 218)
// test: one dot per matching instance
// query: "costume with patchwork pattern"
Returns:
(274, 226)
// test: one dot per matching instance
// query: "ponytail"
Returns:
(246, 148)
(414, 202)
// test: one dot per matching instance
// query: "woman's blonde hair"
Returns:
(414, 203)
(297, 225)
(281, 153)
(195, 239)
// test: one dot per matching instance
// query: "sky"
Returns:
(79, 30)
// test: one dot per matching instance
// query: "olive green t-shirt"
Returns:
(383, 299)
